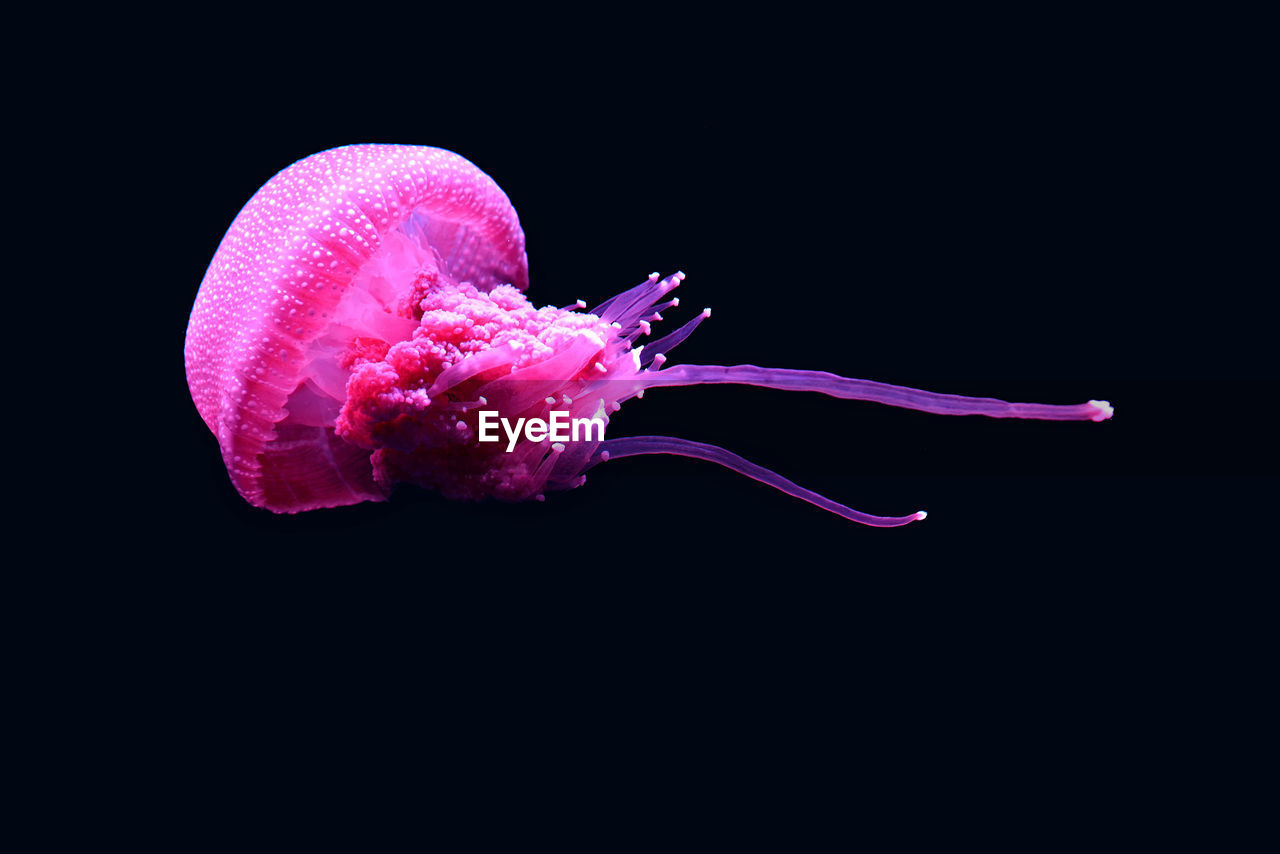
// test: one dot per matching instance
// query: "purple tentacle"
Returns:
(626, 307)
(635, 445)
(667, 343)
(893, 395)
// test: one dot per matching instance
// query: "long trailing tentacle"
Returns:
(630, 446)
(892, 395)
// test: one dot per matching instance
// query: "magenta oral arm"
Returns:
(892, 395)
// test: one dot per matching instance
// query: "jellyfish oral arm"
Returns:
(892, 395)
(631, 446)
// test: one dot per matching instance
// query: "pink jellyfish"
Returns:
(363, 323)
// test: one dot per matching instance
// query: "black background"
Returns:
(1029, 211)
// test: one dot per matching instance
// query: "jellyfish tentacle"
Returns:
(630, 446)
(627, 306)
(547, 463)
(667, 342)
(627, 295)
(891, 395)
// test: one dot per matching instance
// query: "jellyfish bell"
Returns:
(366, 309)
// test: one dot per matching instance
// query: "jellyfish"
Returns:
(363, 323)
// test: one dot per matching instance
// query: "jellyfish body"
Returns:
(366, 307)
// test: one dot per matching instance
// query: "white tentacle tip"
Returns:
(1105, 410)
(921, 515)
